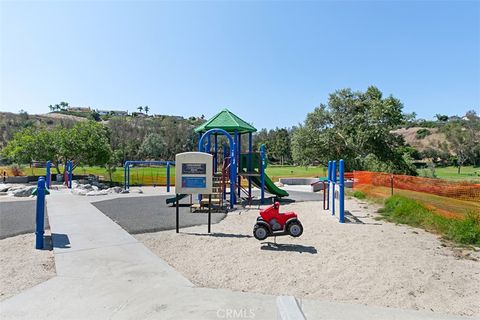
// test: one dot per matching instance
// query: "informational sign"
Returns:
(193, 173)
(194, 168)
(194, 182)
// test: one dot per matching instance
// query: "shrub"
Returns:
(402, 210)
(15, 169)
(466, 231)
(429, 172)
(422, 133)
(359, 194)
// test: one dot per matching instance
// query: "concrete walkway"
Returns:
(105, 273)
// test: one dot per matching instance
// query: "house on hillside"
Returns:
(454, 118)
(118, 113)
(79, 109)
(112, 112)
(103, 112)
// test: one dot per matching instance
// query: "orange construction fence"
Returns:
(457, 190)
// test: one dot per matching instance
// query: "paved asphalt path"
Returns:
(151, 214)
(17, 217)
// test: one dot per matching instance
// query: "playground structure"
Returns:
(234, 165)
(232, 168)
(335, 188)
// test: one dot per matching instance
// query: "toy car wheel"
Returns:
(260, 232)
(295, 229)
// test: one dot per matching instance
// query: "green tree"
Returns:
(352, 126)
(277, 143)
(140, 109)
(441, 117)
(152, 147)
(85, 143)
(281, 148)
(94, 115)
(464, 140)
(146, 108)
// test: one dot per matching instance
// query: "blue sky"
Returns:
(269, 62)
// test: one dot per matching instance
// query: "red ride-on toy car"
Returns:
(273, 223)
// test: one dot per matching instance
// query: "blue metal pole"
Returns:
(209, 144)
(233, 174)
(262, 174)
(334, 180)
(40, 213)
(48, 176)
(329, 179)
(125, 175)
(250, 148)
(70, 173)
(168, 176)
(225, 155)
(239, 145)
(341, 196)
(128, 176)
(199, 145)
(215, 150)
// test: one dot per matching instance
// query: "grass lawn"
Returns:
(275, 172)
(404, 210)
(157, 175)
(447, 207)
(469, 173)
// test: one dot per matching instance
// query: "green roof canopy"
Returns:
(227, 121)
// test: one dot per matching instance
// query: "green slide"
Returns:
(270, 187)
(173, 199)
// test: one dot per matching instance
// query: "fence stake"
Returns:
(391, 184)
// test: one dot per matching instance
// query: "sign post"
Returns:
(193, 175)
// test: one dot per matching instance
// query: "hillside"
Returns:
(13, 122)
(430, 141)
(132, 137)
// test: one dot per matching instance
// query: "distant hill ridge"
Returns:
(431, 141)
(10, 122)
